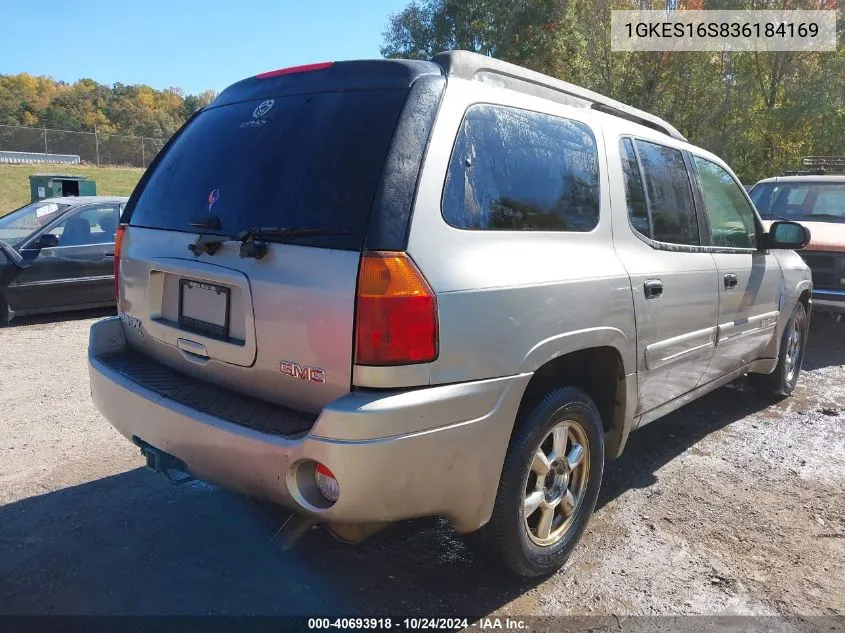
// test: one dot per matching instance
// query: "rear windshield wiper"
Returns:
(254, 240)
(208, 222)
(270, 232)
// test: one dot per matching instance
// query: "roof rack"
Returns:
(474, 66)
(819, 166)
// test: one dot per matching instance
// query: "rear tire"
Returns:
(782, 381)
(544, 502)
(4, 311)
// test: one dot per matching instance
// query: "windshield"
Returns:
(16, 226)
(304, 161)
(809, 201)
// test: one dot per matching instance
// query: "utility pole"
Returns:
(143, 155)
(45, 141)
(97, 144)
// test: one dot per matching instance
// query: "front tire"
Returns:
(550, 483)
(782, 381)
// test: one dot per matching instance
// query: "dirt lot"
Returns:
(727, 506)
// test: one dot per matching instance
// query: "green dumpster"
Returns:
(56, 185)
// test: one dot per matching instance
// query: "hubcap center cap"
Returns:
(556, 480)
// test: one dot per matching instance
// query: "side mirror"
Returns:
(790, 235)
(48, 240)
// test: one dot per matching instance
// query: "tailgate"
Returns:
(278, 328)
(289, 315)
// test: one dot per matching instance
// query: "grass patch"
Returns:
(111, 181)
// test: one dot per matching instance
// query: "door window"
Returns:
(669, 194)
(732, 222)
(658, 193)
(92, 225)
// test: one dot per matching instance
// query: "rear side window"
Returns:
(669, 194)
(307, 161)
(518, 170)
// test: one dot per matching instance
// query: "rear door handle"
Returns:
(731, 281)
(653, 288)
(108, 254)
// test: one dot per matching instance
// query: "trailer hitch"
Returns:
(158, 461)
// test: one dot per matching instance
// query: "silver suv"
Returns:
(376, 290)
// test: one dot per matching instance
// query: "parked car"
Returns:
(376, 290)
(57, 254)
(816, 200)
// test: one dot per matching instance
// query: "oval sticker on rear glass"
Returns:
(263, 108)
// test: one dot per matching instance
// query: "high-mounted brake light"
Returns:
(118, 240)
(294, 69)
(396, 312)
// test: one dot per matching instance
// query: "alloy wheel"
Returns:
(556, 482)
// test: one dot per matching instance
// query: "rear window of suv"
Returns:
(306, 161)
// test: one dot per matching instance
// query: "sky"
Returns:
(188, 44)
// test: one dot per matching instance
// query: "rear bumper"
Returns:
(435, 451)
(829, 300)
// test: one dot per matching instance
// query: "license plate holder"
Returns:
(204, 308)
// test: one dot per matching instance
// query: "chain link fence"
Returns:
(94, 148)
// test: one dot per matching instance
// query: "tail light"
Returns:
(396, 312)
(118, 240)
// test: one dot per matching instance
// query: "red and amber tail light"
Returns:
(118, 241)
(396, 312)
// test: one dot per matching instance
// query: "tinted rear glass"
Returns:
(518, 170)
(309, 161)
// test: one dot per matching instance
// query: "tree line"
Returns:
(84, 105)
(760, 111)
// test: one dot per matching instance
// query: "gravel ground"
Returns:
(728, 506)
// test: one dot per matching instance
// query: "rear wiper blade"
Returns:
(207, 222)
(254, 240)
(269, 232)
